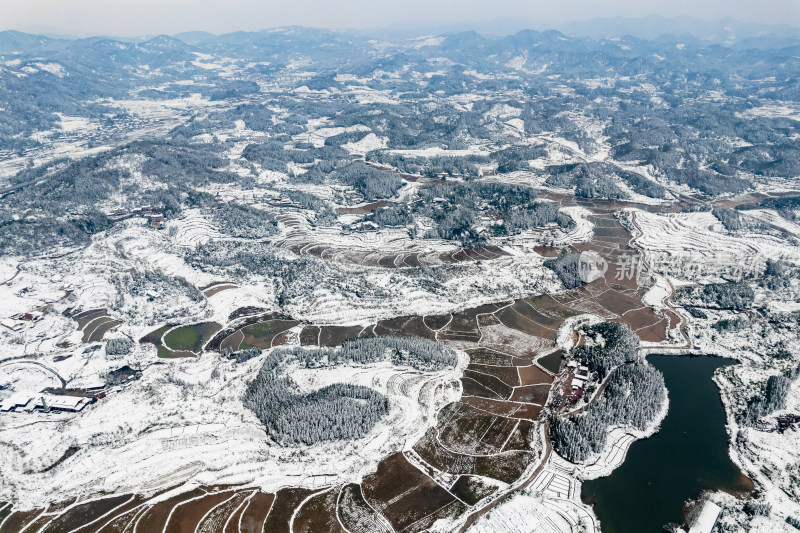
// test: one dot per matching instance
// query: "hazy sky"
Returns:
(138, 17)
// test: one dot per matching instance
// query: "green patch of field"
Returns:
(191, 338)
(163, 352)
(154, 338)
(5, 510)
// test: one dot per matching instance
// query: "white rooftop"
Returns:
(27, 400)
(706, 519)
(578, 383)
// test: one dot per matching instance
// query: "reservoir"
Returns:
(687, 456)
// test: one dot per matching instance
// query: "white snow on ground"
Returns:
(317, 136)
(655, 296)
(181, 424)
(771, 217)
(438, 151)
(53, 68)
(583, 230)
(687, 241)
(367, 144)
(530, 511)
(774, 111)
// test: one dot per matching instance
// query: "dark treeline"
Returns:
(599, 180)
(632, 398)
(733, 295)
(416, 352)
(455, 210)
(566, 267)
(772, 396)
(243, 221)
(339, 411)
(466, 167)
(121, 346)
(608, 344)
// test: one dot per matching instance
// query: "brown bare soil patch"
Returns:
(411, 260)
(546, 251)
(640, 318)
(101, 330)
(208, 293)
(404, 326)
(84, 513)
(286, 501)
(533, 375)
(333, 336)
(507, 467)
(506, 374)
(232, 341)
(525, 308)
(216, 519)
(85, 317)
(501, 389)
(186, 517)
(318, 514)
(512, 318)
(361, 209)
(156, 516)
(309, 336)
(674, 319)
(282, 339)
(436, 321)
(618, 303)
(255, 513)
(474, 388)
(402, 493)
(39, 523)
(655, 333)
(356, 515)
(18, 520)
(531, 393)
(494, 438)
(118, 512)
(387, 261)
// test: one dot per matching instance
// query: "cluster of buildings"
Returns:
(19, 321)
(580, 375)
(29, 402)
(153, 215)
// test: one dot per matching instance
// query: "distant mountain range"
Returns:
(726, 32)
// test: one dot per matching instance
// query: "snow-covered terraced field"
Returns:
(699, 241)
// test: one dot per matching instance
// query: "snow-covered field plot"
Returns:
(192, 229)
(531, 512)
(696, 245)
(181, 428)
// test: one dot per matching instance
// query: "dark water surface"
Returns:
(687, 456)
(551, 362)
